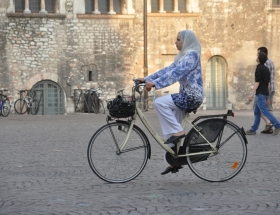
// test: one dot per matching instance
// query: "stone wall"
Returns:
(65, 47)
(232, 29)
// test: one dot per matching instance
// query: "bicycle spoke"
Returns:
(131, 149)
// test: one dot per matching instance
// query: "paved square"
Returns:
(44, 170)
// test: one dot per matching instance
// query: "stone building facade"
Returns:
(79, 44)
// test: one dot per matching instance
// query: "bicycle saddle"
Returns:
(191, 110)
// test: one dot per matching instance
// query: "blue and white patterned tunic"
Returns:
(188, 73)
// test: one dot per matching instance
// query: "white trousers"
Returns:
(169, 115)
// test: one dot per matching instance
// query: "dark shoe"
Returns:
(171, 169)
(276, 131)
(174, 139)
(249, 132)
(268, 129)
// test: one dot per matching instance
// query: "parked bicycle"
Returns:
(27, 103)
(215, 149)
(126, 97)
(89, 101)
(97, 102)
(5, 103)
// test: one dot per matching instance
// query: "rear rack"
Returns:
(229, 113)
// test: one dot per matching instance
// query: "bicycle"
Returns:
(26, 103)
(95, 96)
(88, 101)
(215, 149)
(126, 97)
(149, 101)
(5, 104)
(79, 101)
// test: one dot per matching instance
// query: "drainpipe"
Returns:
(145, 51)
(145, 39)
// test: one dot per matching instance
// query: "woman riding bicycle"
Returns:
(186, 69)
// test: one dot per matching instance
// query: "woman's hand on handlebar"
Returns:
(149, 85)
(141, 80)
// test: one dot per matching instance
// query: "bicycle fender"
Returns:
(240, 129)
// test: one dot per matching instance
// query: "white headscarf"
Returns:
(190, 43)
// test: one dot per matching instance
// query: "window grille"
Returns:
(19, 5)
(216, 83)
(108, 7)
(169, 6)
(103, 6)
(89, 6)
(50, 6)
(182, 7)
(117, 6)
(35, 6)
(155, 6)
(276, 3)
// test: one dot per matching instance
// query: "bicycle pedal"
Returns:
(175, 170)
(174, 139)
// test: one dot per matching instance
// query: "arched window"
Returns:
(215, 87)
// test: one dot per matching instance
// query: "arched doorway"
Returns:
(216, 83)
(52, 101)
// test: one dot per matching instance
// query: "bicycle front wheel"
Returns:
(34, 107)
(20, 106)
(6, 107)
(101, 107)
(111, 165)
(231, 153)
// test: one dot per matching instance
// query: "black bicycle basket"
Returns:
(121, 108)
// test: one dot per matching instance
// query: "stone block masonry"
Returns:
(80, 51)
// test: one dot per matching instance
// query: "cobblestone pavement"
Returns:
(44, 170)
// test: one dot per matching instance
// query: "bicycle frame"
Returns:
(160, 140)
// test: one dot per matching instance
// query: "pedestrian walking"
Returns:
(270, 65)
(261, 90)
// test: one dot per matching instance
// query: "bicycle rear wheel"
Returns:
(106, 161)
(6, 107)
(34, 107)
(20, 106)
(231, 153)
(101, 107)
